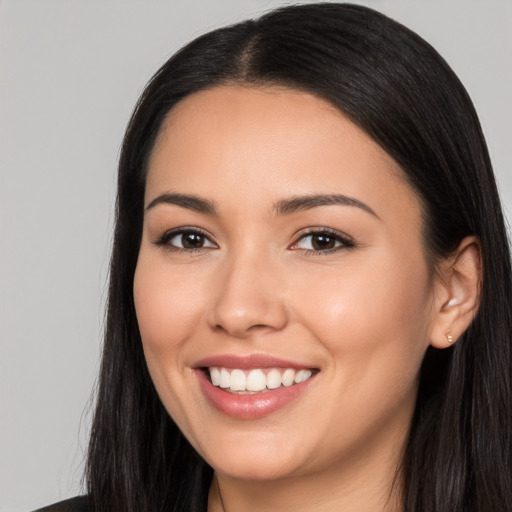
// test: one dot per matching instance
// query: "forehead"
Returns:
(271, 119)
(268, 143)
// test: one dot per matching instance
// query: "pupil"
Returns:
(192, 241)
(322, 242)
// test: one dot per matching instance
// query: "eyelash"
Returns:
(345, 242)
(165, 239)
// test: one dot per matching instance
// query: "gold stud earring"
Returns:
(449, 337)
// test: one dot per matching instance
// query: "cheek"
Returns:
(168, 306)
(373, 327)
(373, 320)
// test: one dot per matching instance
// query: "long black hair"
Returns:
(397, 88)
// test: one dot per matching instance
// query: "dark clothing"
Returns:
(78, 504)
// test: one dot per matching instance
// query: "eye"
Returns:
(322, 241)
(185, 240)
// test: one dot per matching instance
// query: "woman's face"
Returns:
(280, 243)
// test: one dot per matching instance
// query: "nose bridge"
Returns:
(248, 299)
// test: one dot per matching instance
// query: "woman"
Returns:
(310, 295)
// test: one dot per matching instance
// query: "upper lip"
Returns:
(249, 361)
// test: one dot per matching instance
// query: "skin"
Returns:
(362, 313)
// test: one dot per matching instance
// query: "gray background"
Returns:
(70, 73)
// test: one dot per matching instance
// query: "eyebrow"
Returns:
(185, 201)
(284, 207)
(302, 203)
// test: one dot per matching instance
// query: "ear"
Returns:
(457, 293)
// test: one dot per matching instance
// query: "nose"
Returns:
(248, 300)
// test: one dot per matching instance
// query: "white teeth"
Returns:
(273, 379)
(215, 376)
(238, 380)
(288, 377)
(302, 375)
(299, 376)
(225, 379)
(256, 380)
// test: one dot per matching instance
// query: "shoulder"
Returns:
(78, 504)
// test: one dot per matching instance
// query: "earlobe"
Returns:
(457, 294)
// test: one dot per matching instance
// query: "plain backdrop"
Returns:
(70, 73)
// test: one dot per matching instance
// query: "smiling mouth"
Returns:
(257, 380)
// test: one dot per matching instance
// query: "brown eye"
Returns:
(191, 240)
(185, 240)
(322, 241)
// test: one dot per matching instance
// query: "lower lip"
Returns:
(250, 406)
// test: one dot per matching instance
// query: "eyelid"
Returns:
(164, 239)
(346, 241)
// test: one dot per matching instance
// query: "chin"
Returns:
(257, 460)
